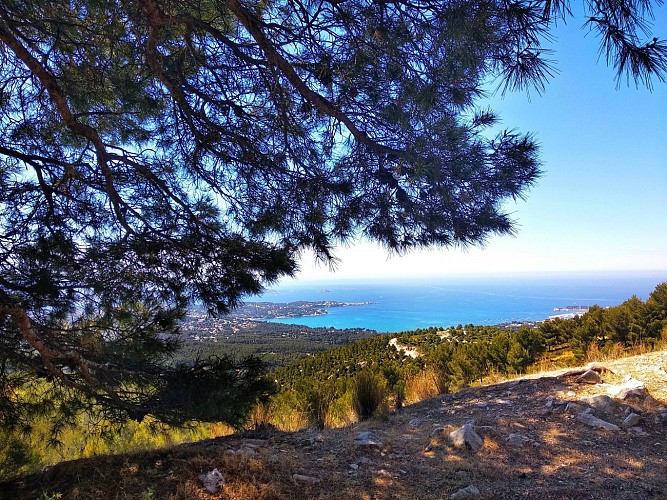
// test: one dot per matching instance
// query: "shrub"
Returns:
(369, 393)
(424, 385)
(316, 400)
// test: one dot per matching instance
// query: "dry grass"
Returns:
(424, 385)
(567, 459)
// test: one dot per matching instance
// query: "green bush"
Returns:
(369, 393)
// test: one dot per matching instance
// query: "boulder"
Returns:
(212, 480)
(631, 420)
(631, 388)
(466, 437)
(589, 377)
(368, 439)
(600, 402)
(574, 408)
(591, 420)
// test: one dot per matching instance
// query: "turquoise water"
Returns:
(400, 305)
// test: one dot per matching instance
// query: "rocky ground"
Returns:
(567, 434)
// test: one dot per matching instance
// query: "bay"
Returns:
(407, 304)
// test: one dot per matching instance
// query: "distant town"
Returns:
(198, 325)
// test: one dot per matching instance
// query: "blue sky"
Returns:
(601, 203)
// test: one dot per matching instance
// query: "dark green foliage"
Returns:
(630, 323)
(656, 312)
(275, 344)
(369, 393)
(17, 457)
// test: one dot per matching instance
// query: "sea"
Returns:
(406, 304)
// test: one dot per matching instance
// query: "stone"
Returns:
(368, 439)
(354, 466)
(247, 451)
(600, 402)
(631, 388)
(589, 377)
(466, 437)
(212, 480)
(661, 418)
(595, 366)
(415, 422)
(300, 478)
(637, 431)
(519, 440)
(549, 403)
(592, 421)
(468, 492)
(631, 420)
(574, 408)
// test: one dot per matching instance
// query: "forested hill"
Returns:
(409, 366)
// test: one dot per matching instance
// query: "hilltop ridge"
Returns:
(537, 434)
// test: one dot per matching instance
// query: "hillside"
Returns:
(533, 445)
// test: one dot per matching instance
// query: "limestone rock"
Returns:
(592, 421)
(629, 389)
(631, 420)
(468, 492)
(466, 437)
(300, 478)
(589, 377)
(368, 439)
(600, 402)
(519, 441)
(212, 480)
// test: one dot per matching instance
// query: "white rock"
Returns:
(630, 388)
(212, 480)
(367, 438)
(466, 437)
